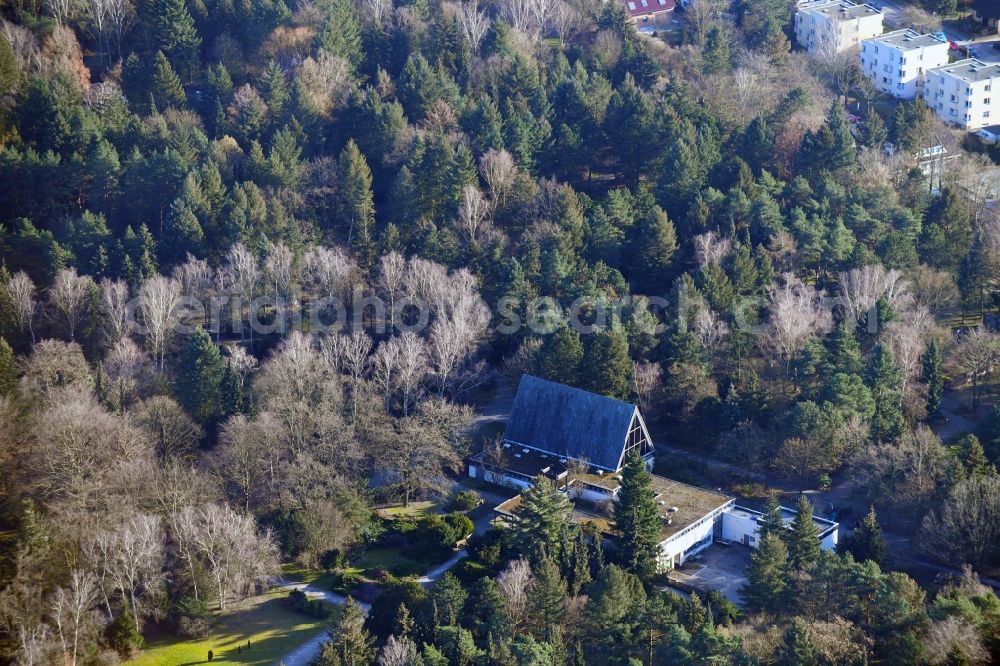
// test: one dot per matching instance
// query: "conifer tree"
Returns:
(8, 369)
(560, 356)
(356, 202)
(198, 383)
(974, 456)
(636, 519)
(798, 648)
(165, 85)
(580, 566)
(341, 34)
(606, 363)
(652, 251)
(547, 598)
(933, 377)
(175, 35)
(182, 234)
(885, 382)
(843, 353)
(803, 540)
(771, 521)
(715, 54)
(538, 519)
(866, 542)
(350, 644)
(767, 575)
(448, 598)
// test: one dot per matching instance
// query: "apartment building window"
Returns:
(954, 99)
(902, 60)
(899, 85)
(941, 105)
(968, 91)
(968, 104)
(986, 101)
(902, 73)
(989, 88)
(986, 114)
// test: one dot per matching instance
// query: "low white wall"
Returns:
(498, 479)
(680, 548)
(736, 526)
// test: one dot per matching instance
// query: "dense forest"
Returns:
(263, 260)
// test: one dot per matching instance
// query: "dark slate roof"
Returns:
(569, 422)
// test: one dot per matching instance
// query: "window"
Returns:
(631, 6)
(986, 114)
(986, 101)
(899, 85)
(953, 98)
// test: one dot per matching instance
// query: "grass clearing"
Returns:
(413, 510)
(391, 560)
(272, 629)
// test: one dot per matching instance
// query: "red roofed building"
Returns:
(650, 12)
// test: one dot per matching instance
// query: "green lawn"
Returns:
(391, 560)
(413, 510)
(272, 629)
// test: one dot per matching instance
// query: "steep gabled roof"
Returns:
(569, 422)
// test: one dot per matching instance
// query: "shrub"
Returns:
(299, 602)
(465, 500)
(192, 617)
(123, 636)
(461, 526)
(332, 560)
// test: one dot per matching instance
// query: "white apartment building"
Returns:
(897, 61)
(965, 93)
(826, 28)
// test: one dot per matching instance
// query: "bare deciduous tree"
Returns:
(391, 273)
(129, 560)
(159, 298)
(647, 379)
(473, 216)
(115, 309)
(68, 296)
(72, 611)
(797, 311)
(21, 290)
(124, 364)
(710, 248)
(398, 651)
(235, 554)
(976, 356)
(173, 433)
(412, 357)
(861, 289)
(499, 170)
(474, 23)
(243, 273)
(514, 582)
(954, 638)
(966, 528)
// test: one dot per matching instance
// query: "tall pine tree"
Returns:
(803, 540)
(885, 381)
(356, 202)
(200, 370)
(636, 519)
(350, 644)
(174, 34)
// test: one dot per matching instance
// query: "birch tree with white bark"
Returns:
(116, 310)
(159, 301)
(68, 297)
(21, 290)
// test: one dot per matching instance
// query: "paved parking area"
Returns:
(719, 568)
